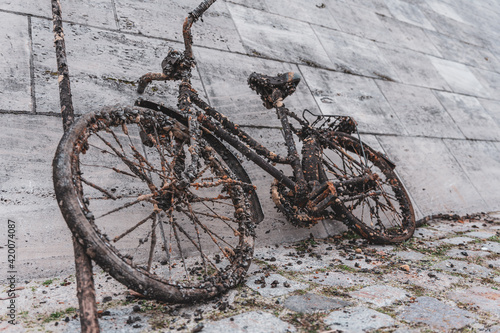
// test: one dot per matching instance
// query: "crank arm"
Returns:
(327, 193)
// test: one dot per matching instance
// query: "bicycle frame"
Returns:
(178, 67)
(188, 96)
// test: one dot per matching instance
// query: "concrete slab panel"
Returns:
(442, 8)
(458, 240)
(414, 68)
(35, 139)
(419, 110)
(103, 66)
(481, 162)
(409, 13)
(15, 77)
(455, 29)
(225, 79)
(379, 295)
(99, 13)
(401, 34)
(481, 234)
(165, 19)
(257, 4)
(472, 119)
(493, 109)
(311, 303)
(380, 28)
(307, 11)
(277, 37)
(250, 322)
(96, 13)
(358, 319)
(459, 77)
(27, 146)
(44, 246)
(353, 19)
(456, 50)
(487, 299)
(354, 55)
(355, 96)
(430, 172)
(377, 6)
(437, 314)
(32, 7)
(463, 267)
(492, 246)
(490, 81)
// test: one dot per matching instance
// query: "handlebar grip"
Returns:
(147, 78)
(198, 11)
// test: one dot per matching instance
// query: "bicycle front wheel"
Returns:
(380, 211)
(120, 181)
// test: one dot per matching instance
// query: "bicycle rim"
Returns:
(380, 211)
(118, 180)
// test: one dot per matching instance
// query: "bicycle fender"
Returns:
(219, 147)
(391, 164)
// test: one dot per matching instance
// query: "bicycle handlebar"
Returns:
(188, 23)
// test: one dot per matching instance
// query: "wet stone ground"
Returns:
(445, 279)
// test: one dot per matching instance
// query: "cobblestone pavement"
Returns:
(445, 279)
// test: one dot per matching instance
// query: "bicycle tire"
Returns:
(383, 212)
(118, 181)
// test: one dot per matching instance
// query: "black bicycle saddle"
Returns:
(264, 85)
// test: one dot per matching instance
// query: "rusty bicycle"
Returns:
(158, 198)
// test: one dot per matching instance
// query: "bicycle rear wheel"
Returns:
(120, 184)
(380, 211)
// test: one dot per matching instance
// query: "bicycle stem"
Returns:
(188, 23)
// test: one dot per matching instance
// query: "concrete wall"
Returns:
(421, 77)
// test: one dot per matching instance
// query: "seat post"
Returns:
(293, 154)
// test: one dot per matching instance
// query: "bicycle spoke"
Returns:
(386, 208)
(127, 205)
(214, 200)
(142, 159)
(103, 150)
(100, 189)
(179, 247)
(198, 247)
(141, 222)
(199, 242)
(130, 164)
(215, 216)
(153, 241)
(200, 173)
(109, 130)
(166, 245)
(223, 218)
(110, 168)
(160, 150)
(212, 234)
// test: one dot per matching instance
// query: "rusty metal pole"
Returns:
(83, 264)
